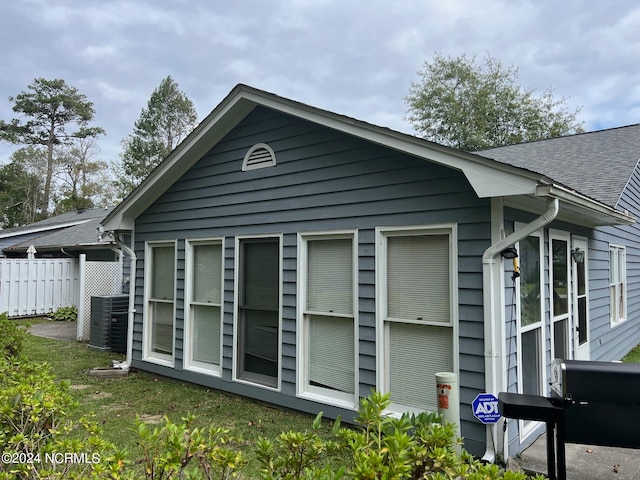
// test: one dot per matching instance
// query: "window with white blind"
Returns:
(328, 357)
(203, 324)
(617, 283)
(160, 269)
(417, 305)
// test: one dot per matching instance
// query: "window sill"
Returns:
(329, 400)
(164, 361)
(211, 370)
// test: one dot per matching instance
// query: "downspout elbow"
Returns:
(553, 207)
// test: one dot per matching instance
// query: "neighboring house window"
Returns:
(259, 156)
(328, 361)
(530, 309)
(417, 277)
(204, 294)
(617, 283)
(258, 334)
(559, 254)
(159, 325)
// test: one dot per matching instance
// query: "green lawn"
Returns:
(115, 402)
(633, 356)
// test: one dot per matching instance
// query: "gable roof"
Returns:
(68, 230)
(488, 177)
(597, 164)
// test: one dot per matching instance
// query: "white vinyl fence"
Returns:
(37, 286)
(30, 287)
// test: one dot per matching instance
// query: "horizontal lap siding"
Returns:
(324, 180)
(613, 342)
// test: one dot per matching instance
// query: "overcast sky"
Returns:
(355, 58)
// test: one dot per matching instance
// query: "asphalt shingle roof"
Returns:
(596, 164)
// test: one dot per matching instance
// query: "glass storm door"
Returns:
(580, 302)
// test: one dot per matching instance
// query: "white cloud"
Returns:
(355, 58)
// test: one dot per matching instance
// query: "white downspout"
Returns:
(492, 300)
(132, 297)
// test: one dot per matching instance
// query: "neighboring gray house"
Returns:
(301, 257)
(65, 235)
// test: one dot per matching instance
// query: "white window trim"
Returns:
(189, 363)
(381, 287)
(304, 390)
(565, 237)
(147, 354)
(236, 315)
(529, 427)
(620, 249)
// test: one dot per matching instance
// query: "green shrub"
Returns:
(65, 314)
(37, 438)
(382, 447)
(11, 338)
(184, 451)
(300, 455)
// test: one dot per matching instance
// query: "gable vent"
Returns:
(259, 156)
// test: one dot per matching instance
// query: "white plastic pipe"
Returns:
(449, 400)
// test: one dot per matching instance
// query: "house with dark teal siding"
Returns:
(297, 256)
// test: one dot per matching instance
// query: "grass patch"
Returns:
(633, 356)
(115, 402)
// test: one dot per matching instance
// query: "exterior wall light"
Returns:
(577, 255)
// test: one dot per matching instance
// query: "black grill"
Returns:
(594, 403)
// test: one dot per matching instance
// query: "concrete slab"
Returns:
(55, 330)
(585, 462)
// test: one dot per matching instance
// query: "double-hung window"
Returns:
(617, 283)
(160, 306)
(328, 334)
(417, 278)
(204, 293)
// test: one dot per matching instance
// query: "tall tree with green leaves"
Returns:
(21, 187)
(55, 114)
(169, 117)
(460, 103)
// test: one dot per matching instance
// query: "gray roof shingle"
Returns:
(596, 164)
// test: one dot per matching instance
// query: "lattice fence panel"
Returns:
(101, 278)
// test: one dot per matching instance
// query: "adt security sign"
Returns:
(485, 408)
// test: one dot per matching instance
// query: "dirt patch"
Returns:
(147, 418)
(99, 395)
(79, 387)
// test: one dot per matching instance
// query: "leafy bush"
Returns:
(37, 438)
(182, 451)
(65, 314)
(11, 338)
(383, 447)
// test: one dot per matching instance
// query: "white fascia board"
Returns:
(597, 211)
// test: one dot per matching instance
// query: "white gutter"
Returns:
(493, 313)
(131, 314)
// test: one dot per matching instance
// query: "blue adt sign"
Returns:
(485, 408)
